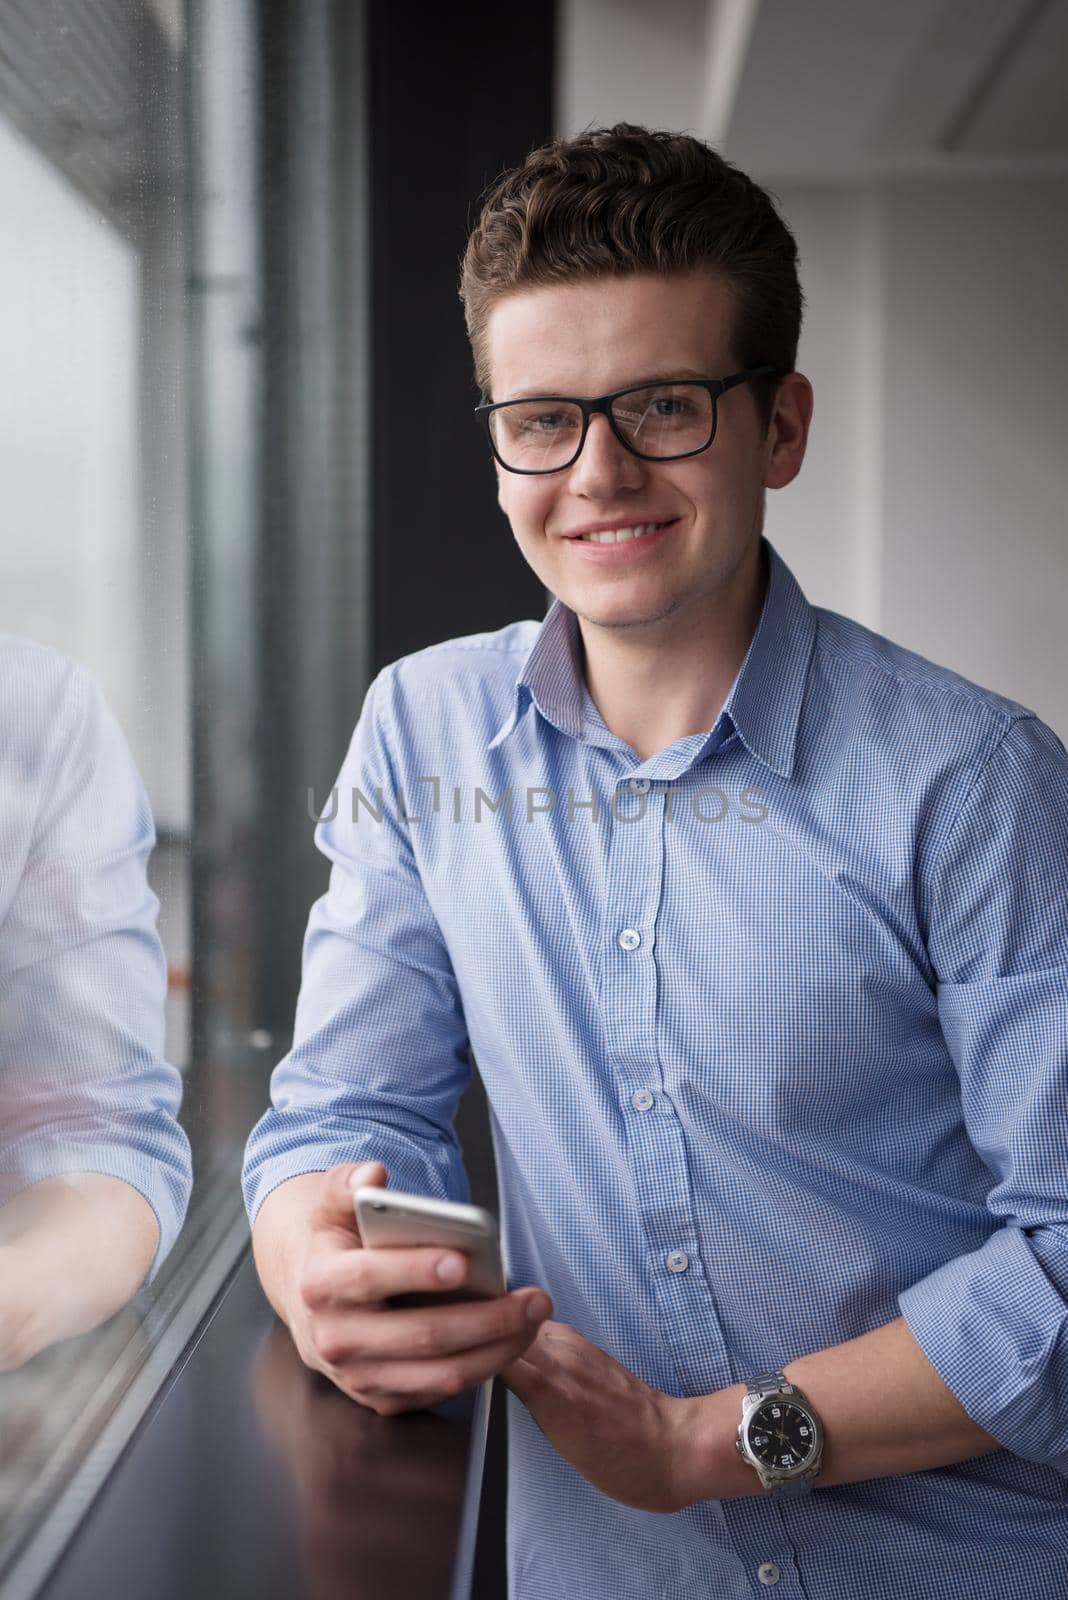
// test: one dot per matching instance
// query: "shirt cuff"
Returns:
(994, 1326)
(436, 1170)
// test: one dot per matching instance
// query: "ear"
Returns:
(784, 448)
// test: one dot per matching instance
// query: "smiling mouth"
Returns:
(621, 535)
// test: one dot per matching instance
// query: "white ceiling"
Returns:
(829, 90)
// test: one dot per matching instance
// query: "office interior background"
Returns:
(240, 471)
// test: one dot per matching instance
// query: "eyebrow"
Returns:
(675, 375)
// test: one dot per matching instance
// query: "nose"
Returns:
(605, 466)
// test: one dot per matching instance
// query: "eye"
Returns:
(546, 422)
(670, 406)
(676, 407)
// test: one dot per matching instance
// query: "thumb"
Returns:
(335, 1208)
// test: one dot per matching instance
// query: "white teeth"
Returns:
(617, 535)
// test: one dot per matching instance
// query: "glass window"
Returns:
(132, 453)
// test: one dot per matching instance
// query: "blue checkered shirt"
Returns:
(774, 1032)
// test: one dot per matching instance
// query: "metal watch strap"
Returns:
(786, 1488)
(769, 1383)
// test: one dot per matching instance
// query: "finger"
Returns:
(338, 1277)
(523, 1378)
(433, 1331)
(441, 1378)
(375, 1333)
(335, 1208)
(546, 1349)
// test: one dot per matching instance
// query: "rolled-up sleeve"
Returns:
(84, 1086)
(994, 1322)
(380, 1053)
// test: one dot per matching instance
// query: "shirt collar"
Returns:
(764, 703)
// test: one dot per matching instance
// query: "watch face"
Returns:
(782, 1435)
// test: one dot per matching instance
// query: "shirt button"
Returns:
(642, 1099)
(768, 1572)
(630, 938)
(639, 785)
(677, 1261)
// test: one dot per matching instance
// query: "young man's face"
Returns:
(590, 338)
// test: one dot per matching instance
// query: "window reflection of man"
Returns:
(95, 1173)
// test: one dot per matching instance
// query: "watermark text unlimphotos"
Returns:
(705, 804)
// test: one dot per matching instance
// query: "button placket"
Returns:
(655, 1145)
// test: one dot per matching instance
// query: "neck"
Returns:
(655, 685)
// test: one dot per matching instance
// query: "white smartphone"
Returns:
(388, 1218)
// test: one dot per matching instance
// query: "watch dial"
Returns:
(781, 1435)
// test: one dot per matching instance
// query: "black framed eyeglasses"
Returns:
(664, 420)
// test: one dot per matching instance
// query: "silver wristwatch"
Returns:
(780, 1435)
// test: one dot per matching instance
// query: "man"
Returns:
(95, 1173)
(764, 972)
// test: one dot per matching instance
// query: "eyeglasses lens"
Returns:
(660, 420)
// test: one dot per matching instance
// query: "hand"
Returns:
(393, 1358)
(628, 1440)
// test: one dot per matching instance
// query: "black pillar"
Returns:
(458, 93)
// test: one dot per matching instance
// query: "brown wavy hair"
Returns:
(622, 200)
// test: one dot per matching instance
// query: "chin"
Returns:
(632, 615)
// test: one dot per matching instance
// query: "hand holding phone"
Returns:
(343, 1309)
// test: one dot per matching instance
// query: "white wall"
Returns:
(932, 505)
(976, 482)
(629, 61)
(827, 523)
